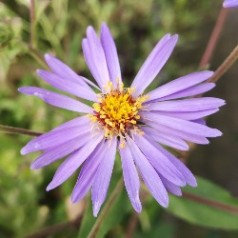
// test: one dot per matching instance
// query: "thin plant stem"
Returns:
(32, 47)
(106, 208)
(211, 203)
(221, 70)
(32, 24)
(215, 35)
(17, 130)
(132, 225)
(225, 66)
(36, 55)
(57, 228)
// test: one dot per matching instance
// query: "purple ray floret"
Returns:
(230, 3)
(136, 124)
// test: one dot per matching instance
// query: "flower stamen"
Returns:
(117, 111)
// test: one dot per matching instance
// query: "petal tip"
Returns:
(192, 182)
(175, 36)
(50, 187)
(194, 185)
(209, 72)
(39, 72)
(218, 133)
(138, 207)
(90, 30)
(136, 203)
(223, 103)
(214, 133)
(48, 56)
(33, 166)
(84, 42)
(165, 203)
(23, 151)
(21, 89)
(96, 208)
(25, 90)
(104, 25)
(73, 198)
(164, 200)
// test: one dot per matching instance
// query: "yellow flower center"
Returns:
(117, 111)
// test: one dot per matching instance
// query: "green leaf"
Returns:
(207, 205)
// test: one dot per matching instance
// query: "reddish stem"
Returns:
(57, 228)
(211, 203)
(208, 53)
(132, 225)
(17, 130)
(32, 23)
(225, 66)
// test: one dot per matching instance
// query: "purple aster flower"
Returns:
(230, 3)
(122, 119)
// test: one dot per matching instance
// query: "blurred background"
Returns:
(58, 28)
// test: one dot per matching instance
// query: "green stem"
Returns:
(225, 66)
(17, 130)
(105, 210)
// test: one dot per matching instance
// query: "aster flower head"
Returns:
(230, 3)
(125, 119)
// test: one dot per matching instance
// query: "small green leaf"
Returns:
(207, 205)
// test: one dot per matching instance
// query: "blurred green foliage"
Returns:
(58, 28)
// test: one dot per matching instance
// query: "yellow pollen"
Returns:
(117, 111)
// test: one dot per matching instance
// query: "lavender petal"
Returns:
(188, 115)
(88, 172)
(110, 51)
(187, 105)
(188, 92)
(54, 138)
(179, 84)
(103, 175)
(176, 133)
(154, 63)
(181, 125)
(171, 188)
(76, 122)
(200, 121)
(56, 99)
(67, 85)
(95, 58)
(167, 140)
(73, 162)
(53, 154)
(149, 175)
(64, 71)
(189, 177)
(230, 3)
(131, 178)
(158, 160)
